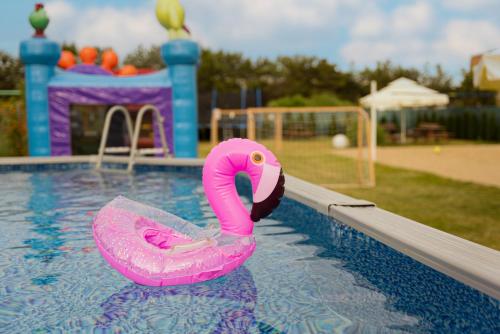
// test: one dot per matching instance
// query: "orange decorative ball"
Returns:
(67, 60)
(128, 70)
(109, 59)
(88, 55)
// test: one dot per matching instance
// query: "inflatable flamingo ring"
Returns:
(153, 247)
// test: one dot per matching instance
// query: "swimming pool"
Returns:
(309, 273)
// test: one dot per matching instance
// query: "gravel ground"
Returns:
(474, 163)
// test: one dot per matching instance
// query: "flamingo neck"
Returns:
(219, 175)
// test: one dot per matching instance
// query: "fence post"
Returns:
(250, 124)
(214, 127)
(243, 97)
(403, 127)
(258, 97)
(278, 130)
(360, 146)
(371, 161)
(374, 121)
(213, 98)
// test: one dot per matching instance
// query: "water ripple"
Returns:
(308, 274)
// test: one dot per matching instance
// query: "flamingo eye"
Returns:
(257, 158)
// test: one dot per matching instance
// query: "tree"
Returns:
(306, 76)
(439, 80)
(224, 71)
(383, 74)
(145, 58)
(285, 76)
(290, 76)
(11, 71)
(71, 47)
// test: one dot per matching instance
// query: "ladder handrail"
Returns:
(105, 131)
(137, 130)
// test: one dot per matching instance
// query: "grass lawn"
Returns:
(467, 210)
(464, 209)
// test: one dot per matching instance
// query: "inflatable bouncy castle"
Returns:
(51, 91)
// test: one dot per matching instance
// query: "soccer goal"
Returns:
(329, 146)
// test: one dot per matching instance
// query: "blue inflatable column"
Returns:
(182, 58)
(40, 57)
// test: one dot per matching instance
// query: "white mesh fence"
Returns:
(324, 145)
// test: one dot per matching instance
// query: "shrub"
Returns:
(13, 138)
(382, 136)
(316, 100)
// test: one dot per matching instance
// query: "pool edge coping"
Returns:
(92, 159)
(470, 263)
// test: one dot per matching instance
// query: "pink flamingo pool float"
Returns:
(153, 247)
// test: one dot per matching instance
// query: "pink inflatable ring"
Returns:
(153, 247)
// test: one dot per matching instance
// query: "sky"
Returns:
(350, 33)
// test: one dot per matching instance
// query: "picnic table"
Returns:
(430, 132)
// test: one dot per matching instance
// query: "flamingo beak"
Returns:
(269, 192)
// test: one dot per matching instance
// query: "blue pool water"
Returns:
(309, 274)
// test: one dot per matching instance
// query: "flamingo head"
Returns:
(266, 175)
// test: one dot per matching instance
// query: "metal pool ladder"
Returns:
(133, 136)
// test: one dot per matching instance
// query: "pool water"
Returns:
(309, 274)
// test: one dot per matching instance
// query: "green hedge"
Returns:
(472, 124)
(316, 100)
(480, 123)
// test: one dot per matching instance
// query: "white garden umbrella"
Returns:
(400, 94)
